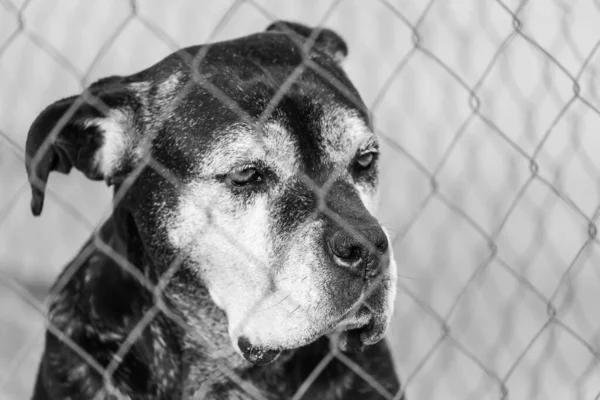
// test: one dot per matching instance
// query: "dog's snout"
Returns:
(359, 251)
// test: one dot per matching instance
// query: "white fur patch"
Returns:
(168, 87)
(281, 146)
(392, 286)
(298, 308)
(116, 141)
(369, 197)
(240, 144)
(345, 133)
(157, 105)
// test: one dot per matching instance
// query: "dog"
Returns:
(241, 258)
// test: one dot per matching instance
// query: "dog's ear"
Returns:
(325, 39)
(92, 132)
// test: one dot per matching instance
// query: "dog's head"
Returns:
(252, 162)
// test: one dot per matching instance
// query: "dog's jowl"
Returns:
(242, 250)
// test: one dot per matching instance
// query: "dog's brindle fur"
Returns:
(315, 130)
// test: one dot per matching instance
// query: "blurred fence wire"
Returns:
(489, 116)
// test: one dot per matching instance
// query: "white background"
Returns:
(468, 113)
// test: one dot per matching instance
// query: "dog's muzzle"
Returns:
(354, 296)
(362, 326)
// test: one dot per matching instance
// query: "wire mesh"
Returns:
(487, 113)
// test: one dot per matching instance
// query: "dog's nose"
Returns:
(359, 251)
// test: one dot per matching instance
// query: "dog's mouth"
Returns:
(257, 354)
(349, 327)
(351, 335)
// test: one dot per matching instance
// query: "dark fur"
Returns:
(101, 303)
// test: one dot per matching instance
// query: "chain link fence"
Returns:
(489, 115)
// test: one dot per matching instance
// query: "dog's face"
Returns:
(276, 171)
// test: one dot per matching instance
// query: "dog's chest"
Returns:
(212, 370)
(217, 380)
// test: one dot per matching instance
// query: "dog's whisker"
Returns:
(387, 227)
(274, 305)
(293, 311)
(416, 278)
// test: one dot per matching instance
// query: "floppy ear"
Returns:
(325, 39)
(92, 132)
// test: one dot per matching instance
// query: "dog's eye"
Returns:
(365, 160)
(244, 177)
